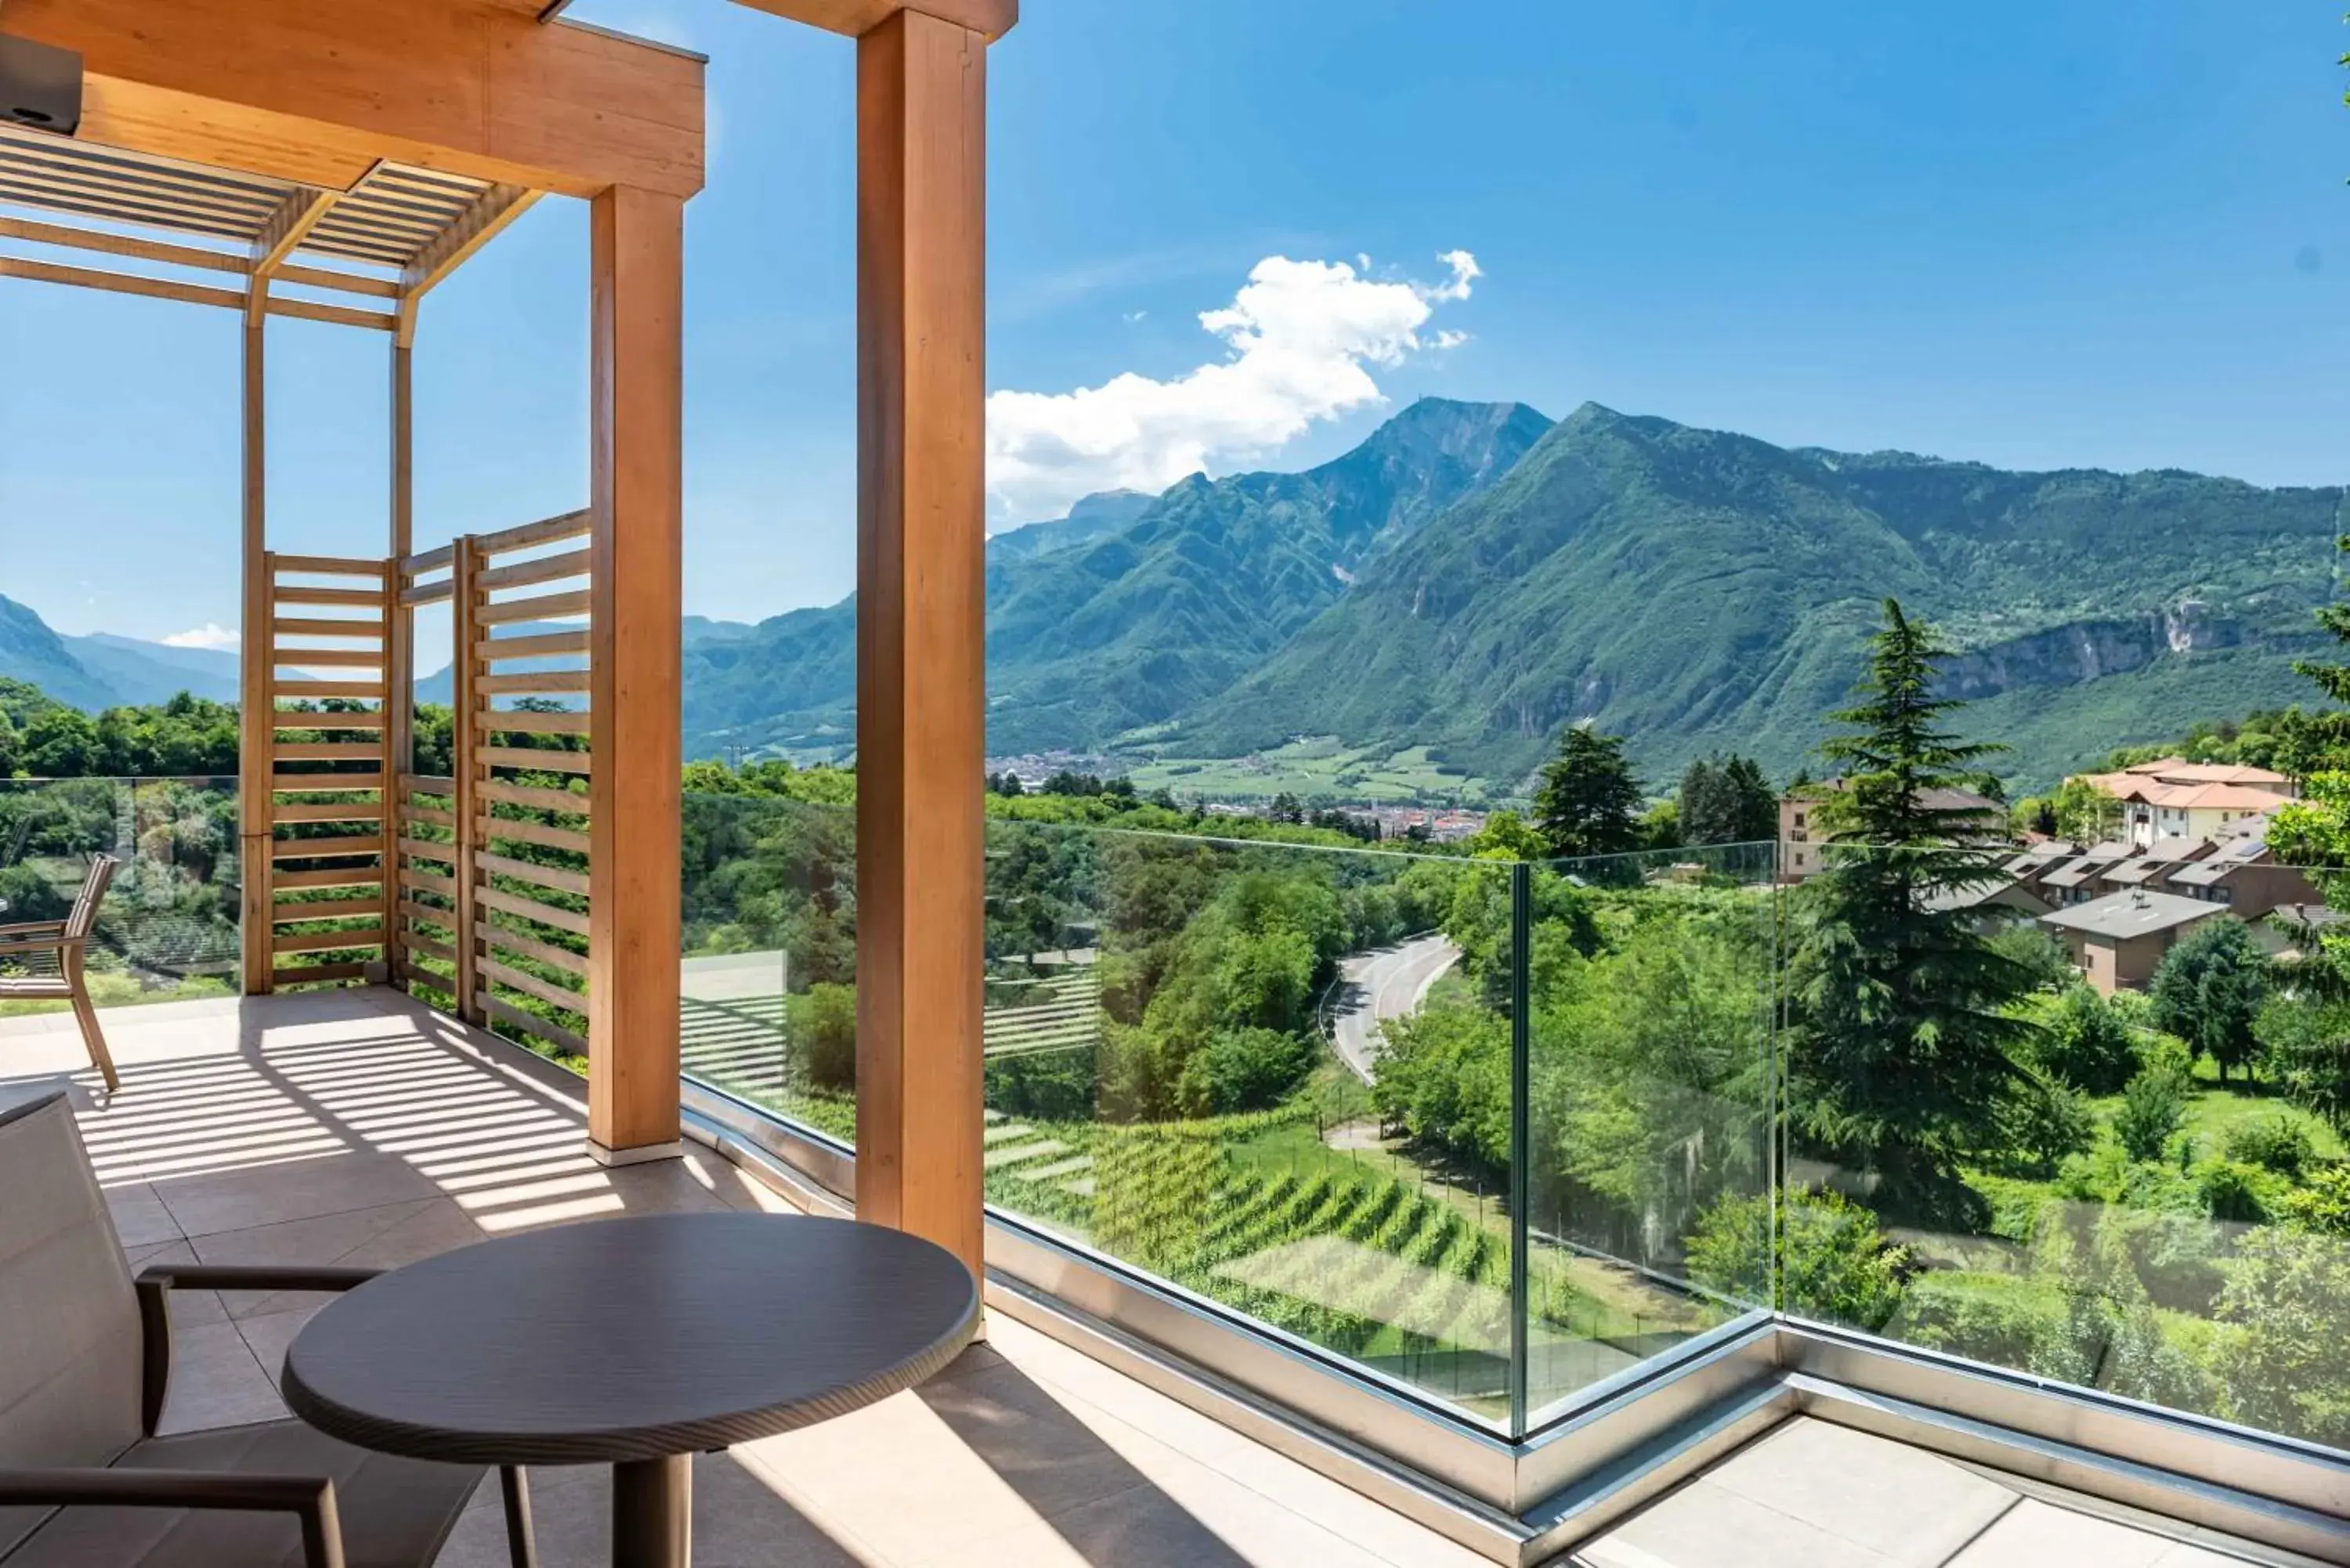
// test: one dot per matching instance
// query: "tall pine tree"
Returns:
(1589, 802)
(1900, 1045)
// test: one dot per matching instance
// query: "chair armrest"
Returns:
(157, 1281)
(311, 1499)
(24, 928)
(56, 944)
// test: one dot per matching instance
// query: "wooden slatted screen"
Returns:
(329, 778)
(492, 860)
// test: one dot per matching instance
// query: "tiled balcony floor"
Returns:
(358, 1127)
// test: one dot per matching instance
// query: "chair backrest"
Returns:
(92, 894)
(70, 1349)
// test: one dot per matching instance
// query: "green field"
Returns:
(1321, 766)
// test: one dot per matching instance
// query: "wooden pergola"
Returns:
(334, 163)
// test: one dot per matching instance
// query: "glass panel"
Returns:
(2082, 1120)
(1650, 1003)
(168, 930)
(1180, 1034)
(768, 984)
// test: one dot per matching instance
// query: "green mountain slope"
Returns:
(1694, 589)
(30, 651)
(1130, 627)
(141, 672)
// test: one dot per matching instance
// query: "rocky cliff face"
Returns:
(2091, 649)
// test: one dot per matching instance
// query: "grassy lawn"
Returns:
(2214, 1110)
(1319, 766)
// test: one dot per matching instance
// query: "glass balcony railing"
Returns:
(168, 928)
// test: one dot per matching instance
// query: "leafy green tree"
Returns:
(1727, 801)
(1902, 1030)
(2153, 1107)
(2044, 1122)
(2209, 990)
(2305, 1046)
(2088, 1044)
(11, 747)
(1835, 1263)
(2288, 1293)
(61, 743)
(1588, 802)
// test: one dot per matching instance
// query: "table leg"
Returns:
(652, 1513)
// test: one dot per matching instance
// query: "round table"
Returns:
(636, 1342)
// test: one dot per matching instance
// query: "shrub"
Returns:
(1243, 1070)
(2322, 1203)
(1997, 1318)
(2090, 1045)
(1835, 1263)
(2289, 1294)
(2275, 1143)
(2234, 1190)
(2153, 1107)
(2042, 1121)
(822, 1024)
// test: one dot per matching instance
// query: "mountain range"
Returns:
(1473, 578)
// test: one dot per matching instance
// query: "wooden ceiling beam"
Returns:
(857, 18)
(295, 219)
(482, 222)
(319, 93)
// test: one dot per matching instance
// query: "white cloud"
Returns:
(209, 635)
(1302, 340)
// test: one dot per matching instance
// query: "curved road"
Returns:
(1386, 982)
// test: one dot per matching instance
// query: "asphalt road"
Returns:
(1386, 982)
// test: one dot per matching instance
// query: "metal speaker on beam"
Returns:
(39, 86)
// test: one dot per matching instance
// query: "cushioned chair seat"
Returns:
(396, 1513)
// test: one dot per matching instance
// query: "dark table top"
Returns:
(619, 1340)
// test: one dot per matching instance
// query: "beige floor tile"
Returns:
(1703, 1525)
(311, 1243)
(302, 1189)
(216, 1382)
(738, 1523)
(188, 1308)
(1903, 1503)
(268, 1334)
(2033, 1534)
(1051, 1451)
(139, 1217)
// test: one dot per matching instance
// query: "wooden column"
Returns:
(465, 771)
(637, 304)
(255, 761)
(921, 685)
(399, 644)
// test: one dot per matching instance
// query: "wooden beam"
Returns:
(466, 772)
(255, 718)
(484, 221)
(637, 425)
(993, 18)
(399, 617)
(920, 644)
(319, 93)
(286, 230)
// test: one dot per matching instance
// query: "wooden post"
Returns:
(257, 736)
(636, 602)
(398, 655)
(465, 771)
(920, 639)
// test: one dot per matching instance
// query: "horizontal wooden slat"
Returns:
(412, 941)
(571, 723)
(310, 973)
(123, 245)
(539, 569)
(428, 592)
(322, 784)
(330, 941)
(436, 559)
(426, 881)
(326, 750)
(339, 315)
(447, 819)
(543, 758)
(574, 882)
(489, 934)
(427, 784)
(523, 1019)
(357, 690)
(539, 832)
(532, 796)
(325, 848)
(301, 594)
(327, 811)
(360, 719)
(425, 849)
(531, 985)
(569, 525)
(342, 909)
(372, 629)
(532, 683)
(544, 606)
(327, 657)
(410, 910)
(529, 910)
(544, 644)
(332, 565)
(328, 277)
(357, 876)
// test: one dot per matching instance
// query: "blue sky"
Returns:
(2033, 234)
